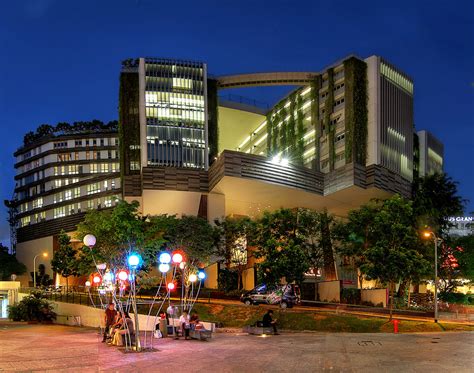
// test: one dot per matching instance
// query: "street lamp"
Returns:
(44, 255)
(430, 234)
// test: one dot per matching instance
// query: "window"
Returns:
(109, 154)
(108, 202)
(104, 167)
(90, 204)
(37, 203)
(62, 144)
(339, 137)
(339, 157)
(78, 143)
(114, 167)
(93, 188)
(94, 142)
(339, 102)
(67, 194)
(76, 156)
(77, 192)
(58, 197)
(25, 221)
(324, 164)
(101, 142)
(41, 216)
(87, 142)
(112, 184)
(94, 168)
(134, 165)
(73, 169)
(59, 212)
(105, 184)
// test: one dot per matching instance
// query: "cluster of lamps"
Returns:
(167, 259)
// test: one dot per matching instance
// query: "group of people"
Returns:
(117, 325)
(185, 321)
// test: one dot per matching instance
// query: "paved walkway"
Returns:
(54, 348)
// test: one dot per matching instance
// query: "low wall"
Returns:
(329, 291)
(75, 314)
(375, 296)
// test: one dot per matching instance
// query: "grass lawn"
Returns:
(239, 316)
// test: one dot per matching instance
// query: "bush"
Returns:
(227, 280)
(458, 298)
(350, 296)
(32, 308)
(234, 293)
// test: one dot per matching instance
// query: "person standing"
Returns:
(109, 320)
(268, 321)
(184, 323)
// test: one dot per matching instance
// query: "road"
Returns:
(56, 348)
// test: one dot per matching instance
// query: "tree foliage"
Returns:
(383, 240)
(234, 233)
(435, 198)
(64, 260)
(9, 265)
(281, 247)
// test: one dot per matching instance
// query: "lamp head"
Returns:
(45, 255)
(89, 240)
(427, 234)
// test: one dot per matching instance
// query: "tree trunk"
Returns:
(409, 294)
(391, 299)
(67, 284)
(402, 288)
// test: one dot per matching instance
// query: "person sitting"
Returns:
(127, 330)
(199, 325)
(109, 317)
(118, 322)
(184, 324)
(268, 321)
(193, 320)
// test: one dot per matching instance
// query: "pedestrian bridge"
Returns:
(265, 79)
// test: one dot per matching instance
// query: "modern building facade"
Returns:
(342, 136)
(431, 153)
(58, 178)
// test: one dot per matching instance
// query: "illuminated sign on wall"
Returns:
(461, 219)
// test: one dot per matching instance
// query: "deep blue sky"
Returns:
(60, 59)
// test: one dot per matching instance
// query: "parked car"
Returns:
(284, 295)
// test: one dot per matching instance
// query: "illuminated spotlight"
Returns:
(88, 283)
(170, 286)
(123, 275)
(284, 162)
(177, 258)
(201, 275)
(276, 159)
(89, 240)
(134, 260)
(182, 265)
(96, 279)
(163, 267)
(193, 278)
(101, 266)
(165, 258)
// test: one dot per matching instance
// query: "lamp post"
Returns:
(44, 255)
(429, 234)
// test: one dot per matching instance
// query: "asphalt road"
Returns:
(55, 348)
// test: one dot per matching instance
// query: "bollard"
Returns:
(395, 325)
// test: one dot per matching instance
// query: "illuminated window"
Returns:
(104, 167)
(94, 168)
(37, 203)
(68, 194)
(93, 188)
(25, 221)
(59, 212)
(77, 192)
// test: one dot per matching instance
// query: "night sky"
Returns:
(60, 60)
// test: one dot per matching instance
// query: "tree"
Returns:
(392, 255)
(234, 233)
(356, 235)
(315, 230)
(435, 198)
(281, 247)
(9, 265)
(456, 263)
(64, 260)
